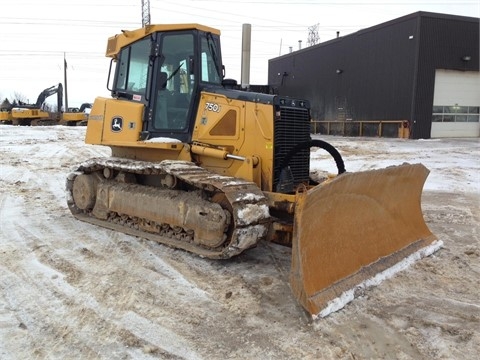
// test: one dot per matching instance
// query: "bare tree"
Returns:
(49, 107)
(19, 98)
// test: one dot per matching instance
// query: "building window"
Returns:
(455, 113)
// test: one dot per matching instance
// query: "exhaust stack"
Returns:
(246, 50)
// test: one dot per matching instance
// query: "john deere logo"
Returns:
(117, 124)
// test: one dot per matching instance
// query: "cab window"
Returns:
(174, 90)
(132, 67)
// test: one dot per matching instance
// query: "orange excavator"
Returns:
(201, 166)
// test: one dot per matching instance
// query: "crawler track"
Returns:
(231, 213)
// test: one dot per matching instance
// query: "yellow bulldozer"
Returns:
(199, 165)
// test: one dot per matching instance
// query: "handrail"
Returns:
(380, 128)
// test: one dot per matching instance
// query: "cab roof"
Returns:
(119, 41)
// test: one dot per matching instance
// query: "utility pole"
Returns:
(65, 83)
(145, 13)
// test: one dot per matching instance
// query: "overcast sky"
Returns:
(35, 34)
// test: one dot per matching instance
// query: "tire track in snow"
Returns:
(44, 281)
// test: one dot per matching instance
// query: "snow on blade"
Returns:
(349, 295)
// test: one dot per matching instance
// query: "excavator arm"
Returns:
(56, 89)
(85, 106)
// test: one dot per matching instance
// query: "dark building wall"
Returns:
(387, 71)
(444, 40)
(370, 61)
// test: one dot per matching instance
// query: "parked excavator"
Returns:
(200, 166)
(35, 114)
(5, 116)
(6, 112)
(76, 116)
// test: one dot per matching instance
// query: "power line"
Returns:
(342, 3)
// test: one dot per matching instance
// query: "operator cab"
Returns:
(166, 72)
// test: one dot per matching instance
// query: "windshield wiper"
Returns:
(212, 47)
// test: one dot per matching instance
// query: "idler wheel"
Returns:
(84, 192)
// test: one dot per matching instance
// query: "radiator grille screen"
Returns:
(290, 128)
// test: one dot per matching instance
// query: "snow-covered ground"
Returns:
(70, 290)
(454, 163)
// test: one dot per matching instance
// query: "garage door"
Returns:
(456, 104)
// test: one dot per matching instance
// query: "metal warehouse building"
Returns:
(422, 68)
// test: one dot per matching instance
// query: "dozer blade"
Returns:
(353, 229)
